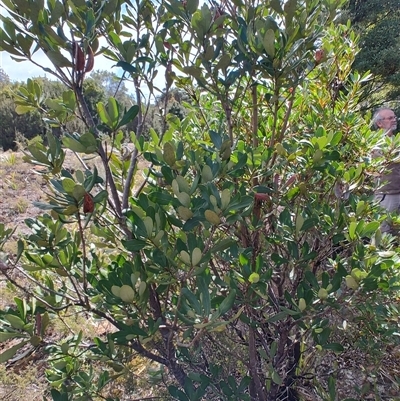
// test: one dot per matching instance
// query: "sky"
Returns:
(21, 71)
(18, 71)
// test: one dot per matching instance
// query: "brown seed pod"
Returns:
(88, 204)
(261, 196)
(319, 55)
(89, 60)
(78, 57)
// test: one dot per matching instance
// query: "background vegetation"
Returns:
(376, 22)
(16, 129)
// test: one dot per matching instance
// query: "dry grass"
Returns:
(26, 385)
(20, 185)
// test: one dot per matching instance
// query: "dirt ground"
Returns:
(20, 186)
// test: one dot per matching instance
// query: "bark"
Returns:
(257, 386)
(169, 348)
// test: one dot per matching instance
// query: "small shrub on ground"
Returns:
(20, 205)
(10, 159)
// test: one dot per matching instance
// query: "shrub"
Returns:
(230, 267)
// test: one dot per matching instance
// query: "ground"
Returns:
(20, 186)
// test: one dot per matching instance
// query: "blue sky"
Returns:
(21, 71)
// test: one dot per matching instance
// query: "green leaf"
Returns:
(21, 307)
(69, 99)
(192, 299)
(161, 198)
(204, 295)
(56, 12)
(100, 196)
(127, 67)
(23, 109)
(276, 6)
(9, 27)
(57, 396)
(269, 42)
(4, 336)
(38, 155)
(54, 145)
(135, 331)
(58, 59)
(177, 394)
(21, 247)
(222, 245)
(25, 42)
(227, 303)
(134, 245)
(109, 7)
(276, 378)
(45, 206)
(169, 154)
(78, 192)
(332, 388)
(15, 321)
(113, 112)
(352, 230)
(290, 9)
(216, 139)
(89, 141)
(129, 116)
(103, 114)
(310, 277)
(92, 179)
(299, 223)
(192, 6)
(10, 352)
(333, 347)
(192, 223)
(68, 185)
(70, 210)
(45, 323)
(9, 48)
(277, 317)
(254, 278)
(73, 144)
(153, 134)
(90, 21)
(243, 203)
(223, 62)
(199, 25)
(369, 228)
